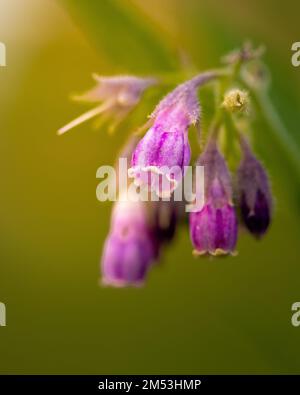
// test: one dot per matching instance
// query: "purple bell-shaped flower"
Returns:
(213, 229)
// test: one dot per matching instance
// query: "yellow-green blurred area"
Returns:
(193, 316)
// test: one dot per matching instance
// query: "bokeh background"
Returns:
(194, 316)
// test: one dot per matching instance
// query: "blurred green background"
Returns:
(194, 316)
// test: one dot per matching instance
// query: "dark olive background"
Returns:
(193, 316)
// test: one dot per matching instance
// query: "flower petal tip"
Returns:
(143, 177)
(104, 282)
(197, 253)
(216, 253)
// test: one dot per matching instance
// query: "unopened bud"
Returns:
(235, 100)
(254, 192)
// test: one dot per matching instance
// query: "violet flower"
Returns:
(117, 97)
(130, 248)
(161, 156)
(213, 229)
(254, 193)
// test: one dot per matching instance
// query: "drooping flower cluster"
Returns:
(140, 229)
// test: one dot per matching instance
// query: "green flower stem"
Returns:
(175, 78)
(270, 116)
